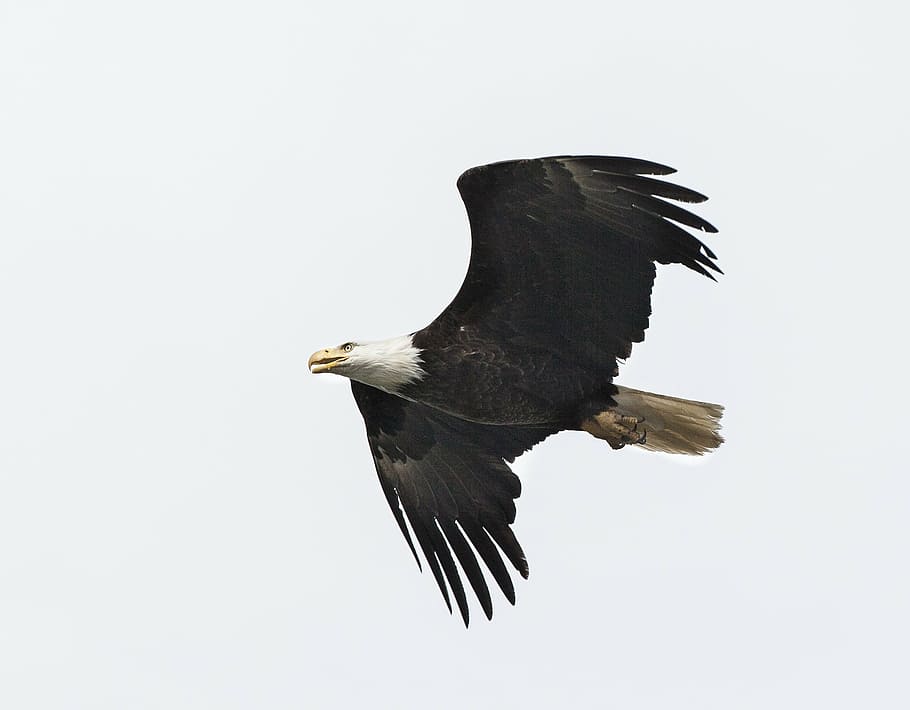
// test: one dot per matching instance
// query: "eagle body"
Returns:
(500, 382)
(563, 256)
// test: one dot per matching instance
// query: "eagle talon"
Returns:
(614, 428)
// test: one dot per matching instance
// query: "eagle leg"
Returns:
(615, 428)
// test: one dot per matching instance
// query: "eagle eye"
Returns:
(347, 347)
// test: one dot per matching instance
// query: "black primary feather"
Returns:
(451, 479)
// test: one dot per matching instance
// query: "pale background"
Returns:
(196, 195)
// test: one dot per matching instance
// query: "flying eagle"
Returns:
(558, 288)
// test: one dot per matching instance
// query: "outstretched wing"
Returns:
(450, 479)
(562, 256)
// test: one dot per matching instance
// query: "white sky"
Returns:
(194, 196)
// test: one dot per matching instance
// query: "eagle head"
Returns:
(385, 364)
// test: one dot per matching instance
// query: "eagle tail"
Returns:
(671, 424)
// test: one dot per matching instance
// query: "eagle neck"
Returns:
(389, 365)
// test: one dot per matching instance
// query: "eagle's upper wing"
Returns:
(450, 478)
(563, 252)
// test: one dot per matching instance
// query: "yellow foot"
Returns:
(614, 428)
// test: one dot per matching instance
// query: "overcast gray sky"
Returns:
(195, 195)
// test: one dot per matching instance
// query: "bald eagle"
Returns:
(558, 289)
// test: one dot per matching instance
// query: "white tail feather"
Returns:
(673, 425)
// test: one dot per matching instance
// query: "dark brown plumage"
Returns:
(557, 291)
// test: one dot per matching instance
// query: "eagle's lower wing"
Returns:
(451, 480)
(563, 252)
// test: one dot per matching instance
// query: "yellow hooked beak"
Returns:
(325, 360)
